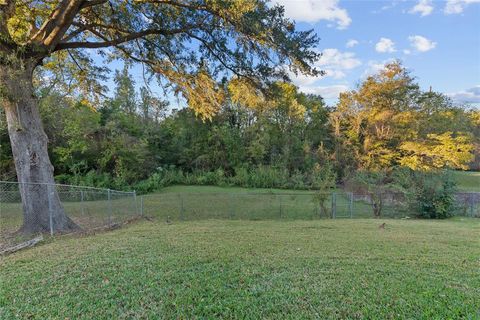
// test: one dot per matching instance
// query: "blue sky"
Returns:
(439, 41)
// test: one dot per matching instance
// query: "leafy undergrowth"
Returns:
(250, 270)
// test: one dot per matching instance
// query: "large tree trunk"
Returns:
(42, 208)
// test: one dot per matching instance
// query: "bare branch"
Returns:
(120, 40)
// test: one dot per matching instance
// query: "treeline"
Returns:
(291, 140)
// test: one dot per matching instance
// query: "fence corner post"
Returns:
(50, 209)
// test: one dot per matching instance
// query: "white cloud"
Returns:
(374, 66)
(388, 6)
(336, 74)
(351, 43)
(457, 6)
(407, 51)
(421, 44)
(327, 92)
(471, 95)
(385, 45)
(335, 62)
(424, 7)
(316, 10)
(302, 80)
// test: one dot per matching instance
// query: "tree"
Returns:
(151, 108)
(438, 151)
(188, 44)
(375, 184)
(372, 115)
(389, 121)
(125, 95)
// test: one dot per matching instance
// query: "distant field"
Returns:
(326, 269)
(468, 180)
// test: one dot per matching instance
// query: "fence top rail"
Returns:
(311, 193)
(306, 193)
(67, 185)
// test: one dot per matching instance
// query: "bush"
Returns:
(256, 177)
(323, 180)
(433, 195)
(241, 177)
(268, 177)
(297, 181)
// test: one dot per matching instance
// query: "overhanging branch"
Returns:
(119, 40)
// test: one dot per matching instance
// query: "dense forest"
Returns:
(134, 139)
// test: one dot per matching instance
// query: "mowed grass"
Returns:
(467, 180)
(322, 269)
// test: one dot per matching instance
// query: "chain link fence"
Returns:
(89, 208)
(94, 208)
(264, 206)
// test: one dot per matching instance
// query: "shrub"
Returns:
(323, 180)
(268, 177)
(433, 195)
(297, 181)
(241, 177)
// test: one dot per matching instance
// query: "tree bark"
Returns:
(42, 209)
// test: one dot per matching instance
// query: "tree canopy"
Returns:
(288, 141)
(195, 48)
(191, 46)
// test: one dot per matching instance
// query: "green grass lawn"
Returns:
(467, 180)
(250, 270)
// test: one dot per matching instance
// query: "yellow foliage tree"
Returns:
(438, 151)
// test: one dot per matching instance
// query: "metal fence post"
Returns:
(181, 208)
(141, 206)
(281, 209)
(351, 205)
(109, 196)
(81, 203)
(231, 206)
(471, 205)
(50, 208)
(135, 201)
(334, 205)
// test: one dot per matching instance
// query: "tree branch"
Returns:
(55, 27)
(92, 3)
(119, 40)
